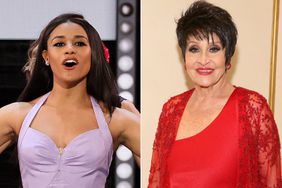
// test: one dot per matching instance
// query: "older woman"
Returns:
(67, 122)
(217, 134)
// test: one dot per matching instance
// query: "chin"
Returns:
(203, 84)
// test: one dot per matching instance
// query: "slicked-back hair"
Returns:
(100, 79)
(201, 20)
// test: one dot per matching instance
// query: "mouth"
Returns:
(204, 71)
(70, 63)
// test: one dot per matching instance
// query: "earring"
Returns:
(47, 63)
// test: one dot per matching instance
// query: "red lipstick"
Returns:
(204, 71)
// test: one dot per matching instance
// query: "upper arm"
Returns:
(128, 126)
(11, 118)
(154, 176)
(130, 135)
(7, 129)
(269, 148)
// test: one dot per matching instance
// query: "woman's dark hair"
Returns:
(100, 80)
(203, 19)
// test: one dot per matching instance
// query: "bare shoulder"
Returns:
(129, 106)
(13, 114)
(124, 115)
(122, 118)
(15, 108)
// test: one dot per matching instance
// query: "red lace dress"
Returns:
(258, 162)
(208, 159)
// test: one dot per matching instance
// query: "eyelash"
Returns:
(60, 44)
(213, 49)
(80, 44)
(193, 49)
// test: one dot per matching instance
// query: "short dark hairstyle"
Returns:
(201, 20)
(100, 79)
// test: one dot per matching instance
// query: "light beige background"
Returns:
(278, 98)
(162, 67)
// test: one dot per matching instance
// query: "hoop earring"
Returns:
(47, 63)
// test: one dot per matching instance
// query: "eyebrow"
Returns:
(62, 36)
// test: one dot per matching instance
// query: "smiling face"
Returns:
(205, 61)
(68, 53)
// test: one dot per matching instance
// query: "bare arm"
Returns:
(129, 106)
(7, 133)
(128, 127)
(11, 118)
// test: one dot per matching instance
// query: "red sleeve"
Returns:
(268, 149)
(154, 178)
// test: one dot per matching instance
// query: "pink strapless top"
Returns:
(84, 162)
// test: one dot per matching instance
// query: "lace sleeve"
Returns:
(154, 178)
(268, 149)
(165, 136)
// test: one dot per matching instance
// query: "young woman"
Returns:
(67, 122)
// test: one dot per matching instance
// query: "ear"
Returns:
(45, 55)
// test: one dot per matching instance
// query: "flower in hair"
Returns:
(106, 53)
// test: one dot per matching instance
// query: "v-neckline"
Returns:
(210, 124)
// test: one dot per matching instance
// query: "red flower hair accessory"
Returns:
(106, 53)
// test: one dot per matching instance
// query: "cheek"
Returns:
(189, 62)
(87, 59)
(221, 63)
(188, 69)
(221, 59)
(87, 55)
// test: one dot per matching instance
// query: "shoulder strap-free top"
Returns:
(84, 162)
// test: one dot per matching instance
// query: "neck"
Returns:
(220, 89)
(69, 96)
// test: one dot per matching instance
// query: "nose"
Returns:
(204, 58)
(69, 49)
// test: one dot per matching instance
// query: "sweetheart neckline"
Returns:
(58, 149)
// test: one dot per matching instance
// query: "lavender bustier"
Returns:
(83, 163)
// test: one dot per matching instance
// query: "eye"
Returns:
(80, 43)
(193, 49)
(58, 44)
(214, 49)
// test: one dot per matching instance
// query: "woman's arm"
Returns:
(11, 118)
(7, 131)
(127, 126)
(154, 177)
(268, 149)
